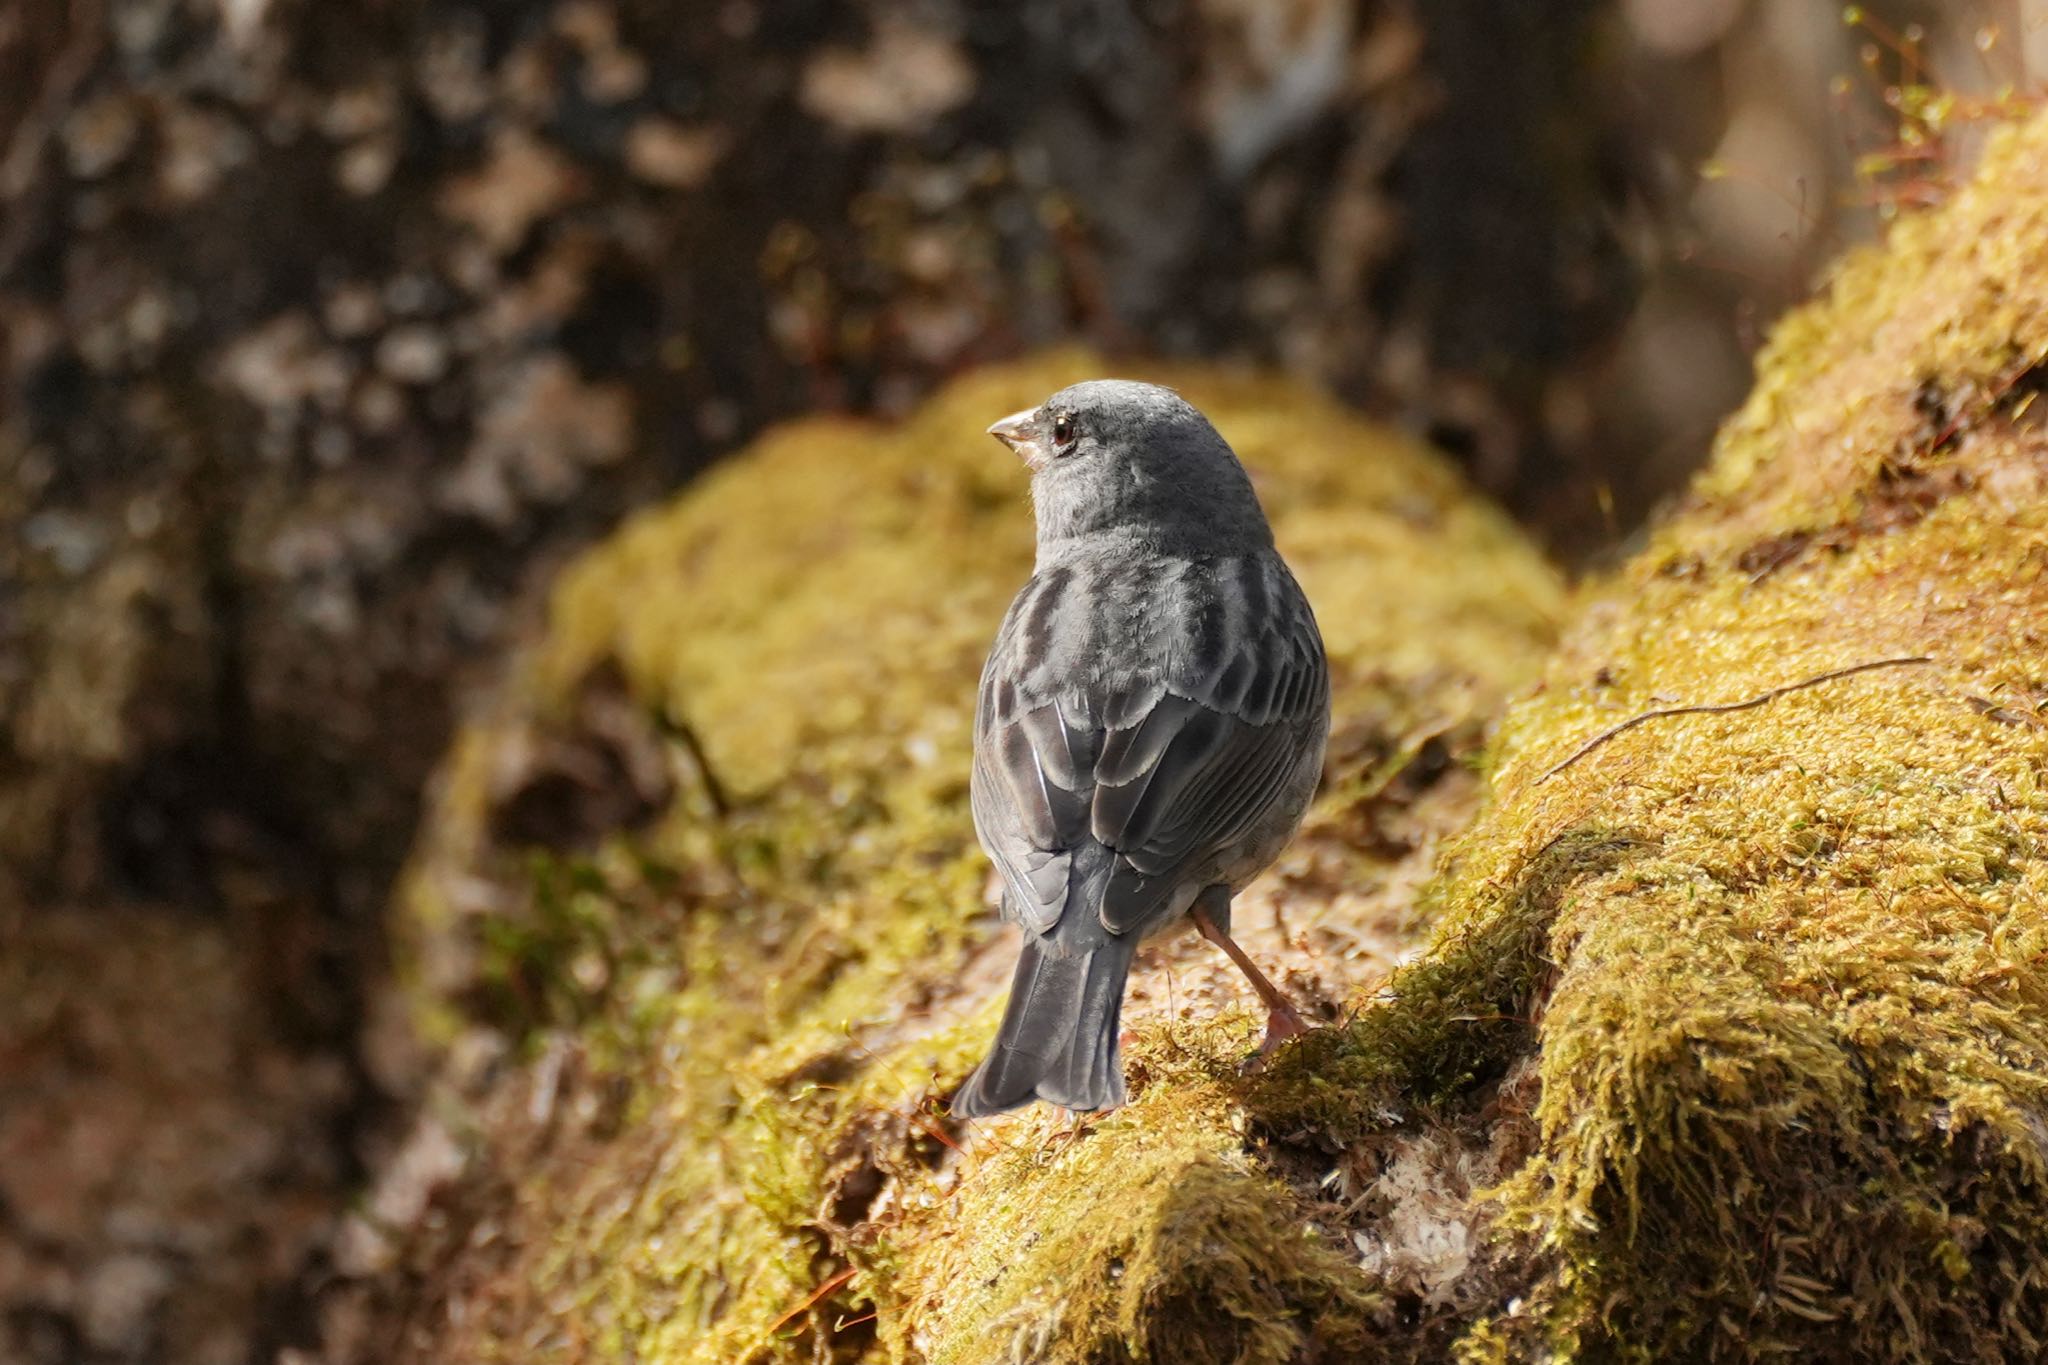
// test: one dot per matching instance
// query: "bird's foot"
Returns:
(1073, 1126)
(1282, 1024)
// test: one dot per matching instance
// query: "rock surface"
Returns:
(1764, 984)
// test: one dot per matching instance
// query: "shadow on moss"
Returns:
(1452, 1020)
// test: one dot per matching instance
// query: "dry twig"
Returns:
(823, 1291)
(1724, 707)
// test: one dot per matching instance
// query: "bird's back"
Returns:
(1143, 721)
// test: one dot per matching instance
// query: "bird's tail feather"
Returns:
(1058, 1041)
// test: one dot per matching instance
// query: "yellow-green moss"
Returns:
(776, 985)
(1786, 967)
(1155, 1238)
(1782, 972)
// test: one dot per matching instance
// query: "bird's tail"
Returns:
(1058, 1040)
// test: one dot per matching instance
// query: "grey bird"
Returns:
(1149, 731)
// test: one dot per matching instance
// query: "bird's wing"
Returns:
(1033, 772)
(1194, 776)
(1167, 773)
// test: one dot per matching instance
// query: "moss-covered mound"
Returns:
(710, 870)
(1781, 971)
(1730, 1039)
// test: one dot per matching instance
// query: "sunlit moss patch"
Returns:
(1783, 969)
(711, 862)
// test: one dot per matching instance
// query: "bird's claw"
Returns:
(1282, 1025)
(1074, 1125)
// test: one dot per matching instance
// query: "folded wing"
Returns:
(1169, 769)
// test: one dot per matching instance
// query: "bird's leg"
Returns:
(1072, 1123)
(1282, 1021)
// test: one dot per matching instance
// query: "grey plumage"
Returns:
(1150, 725)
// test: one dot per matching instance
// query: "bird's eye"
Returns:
(1063, 429)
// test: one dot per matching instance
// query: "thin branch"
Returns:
(1724, 707)
(714, 790)
(823, 1291)
(2004, 715)
(1963, 416)
(30, 137)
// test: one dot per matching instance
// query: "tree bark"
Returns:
(331, 331)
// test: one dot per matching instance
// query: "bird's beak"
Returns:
(1019, 431)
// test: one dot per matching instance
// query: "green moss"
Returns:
(1152, 1237)
(1792, 1020)
(804, 971)
(1750, 1007)
(1458, 1013)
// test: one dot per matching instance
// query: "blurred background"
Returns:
(327, 331)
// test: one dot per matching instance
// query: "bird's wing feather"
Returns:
(1212, 783)
(1033, 771)
(1167, 770)
(1031, 808)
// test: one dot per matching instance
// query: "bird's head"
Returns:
(1113, 457)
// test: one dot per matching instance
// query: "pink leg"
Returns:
(1282, 1022)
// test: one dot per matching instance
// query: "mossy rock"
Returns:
(710, 866)
(1730, 1038)
(1766, 988)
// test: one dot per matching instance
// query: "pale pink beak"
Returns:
(1019, 431)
